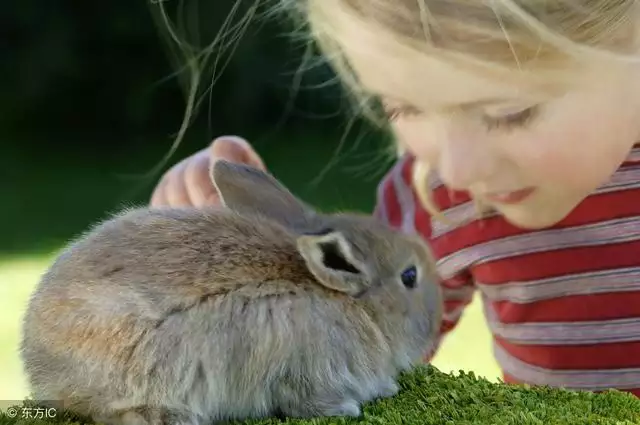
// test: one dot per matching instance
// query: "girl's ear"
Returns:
(246, 189)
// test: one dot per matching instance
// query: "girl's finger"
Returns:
(197, 180)
(235, 149)
(176, 192)
(159, 196)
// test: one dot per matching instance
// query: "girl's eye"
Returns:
(395, 112)
(510, 121)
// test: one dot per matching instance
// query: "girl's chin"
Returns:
(531, 218)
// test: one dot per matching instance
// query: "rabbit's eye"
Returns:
(409, 277)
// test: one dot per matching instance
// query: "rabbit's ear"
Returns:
(243, 188)
(329, 256)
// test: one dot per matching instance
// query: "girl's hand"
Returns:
(188, 183)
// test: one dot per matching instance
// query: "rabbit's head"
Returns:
(390, 274)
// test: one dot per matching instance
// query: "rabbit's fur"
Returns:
(260, 307)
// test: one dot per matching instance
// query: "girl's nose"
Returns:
(466, 158)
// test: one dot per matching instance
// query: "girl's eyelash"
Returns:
(394, 113)
(519, 119)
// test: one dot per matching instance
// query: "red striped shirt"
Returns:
(562, 303)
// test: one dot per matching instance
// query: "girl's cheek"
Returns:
(418, 139)
(530, 155)
(543, 159)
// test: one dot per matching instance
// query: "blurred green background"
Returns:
(87, 109)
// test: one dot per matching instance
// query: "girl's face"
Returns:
(531, 158)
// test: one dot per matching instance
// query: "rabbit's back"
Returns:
(149, 261)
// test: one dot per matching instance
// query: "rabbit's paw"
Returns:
(382, 387)
(387, 388)
(134, 418)
(325, 407)
(344, 408)
(129, 417)
(143, 415)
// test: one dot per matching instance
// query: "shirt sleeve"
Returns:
(397, 205)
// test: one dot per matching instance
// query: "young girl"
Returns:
(517, 122)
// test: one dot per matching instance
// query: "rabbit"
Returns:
(258, 307)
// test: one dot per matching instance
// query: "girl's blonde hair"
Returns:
(544, 41)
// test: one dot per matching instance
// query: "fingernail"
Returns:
(230, 138)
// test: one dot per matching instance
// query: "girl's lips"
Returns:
(510, 197)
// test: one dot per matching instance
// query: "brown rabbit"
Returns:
(258, 308)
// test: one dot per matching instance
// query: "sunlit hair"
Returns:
(533, 41)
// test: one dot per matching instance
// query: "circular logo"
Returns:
(12, 412)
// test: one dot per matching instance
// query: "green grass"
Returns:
(430, 397)
(17, 278)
